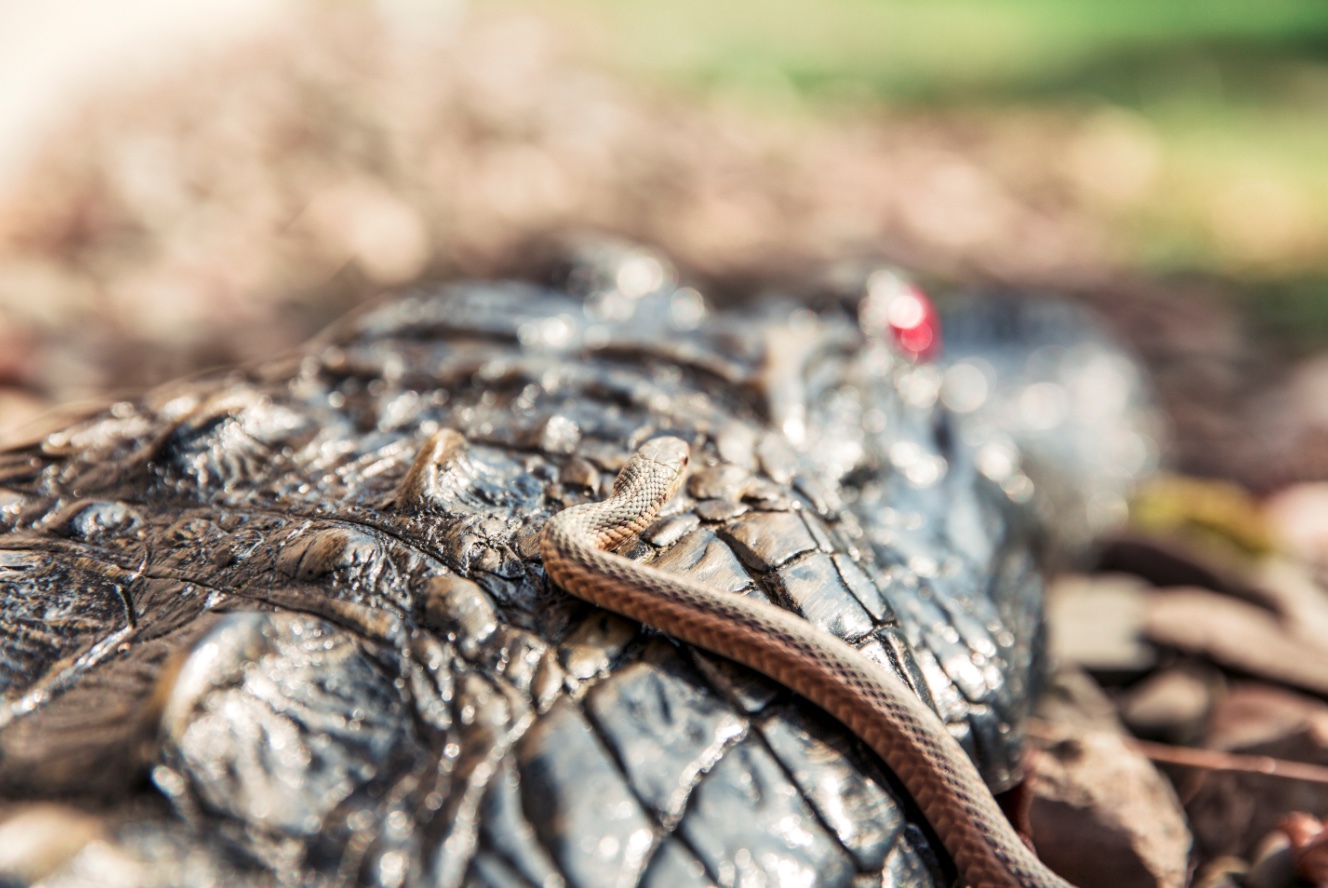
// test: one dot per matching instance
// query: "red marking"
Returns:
(915, 323)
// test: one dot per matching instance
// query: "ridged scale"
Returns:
(872, 703)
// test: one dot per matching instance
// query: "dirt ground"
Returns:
(232, 208)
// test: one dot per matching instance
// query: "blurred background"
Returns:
(191, 185)
(183, 186)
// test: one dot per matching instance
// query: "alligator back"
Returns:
(303, 604)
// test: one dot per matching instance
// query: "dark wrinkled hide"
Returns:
(298, 605)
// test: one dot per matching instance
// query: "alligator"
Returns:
(288, 624)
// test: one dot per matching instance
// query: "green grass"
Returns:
(944, 50)
(1233, 95)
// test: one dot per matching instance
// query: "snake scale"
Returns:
(871, 703)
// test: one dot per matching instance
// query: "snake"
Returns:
(873, 703)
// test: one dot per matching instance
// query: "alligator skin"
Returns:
(289, 625)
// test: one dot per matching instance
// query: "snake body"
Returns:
(872, 703)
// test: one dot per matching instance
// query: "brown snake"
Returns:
(873, 703)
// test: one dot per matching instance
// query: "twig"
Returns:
(1203, 759)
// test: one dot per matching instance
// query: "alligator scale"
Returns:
(290, 625)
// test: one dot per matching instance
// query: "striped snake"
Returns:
(873, 703)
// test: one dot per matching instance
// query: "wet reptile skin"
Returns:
(877, 707)
(290, 624)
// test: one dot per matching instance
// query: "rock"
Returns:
(1096, 622)
(1073, 698)
(1225, 872)
(1289, 588)
(1230, 812)
(1273, 866)
(1171, 705)
(1103, 816)
(1252, 715)
(1308, 837)
(1298, 519)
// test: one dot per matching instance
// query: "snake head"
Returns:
(659, 464)
(669, 452)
